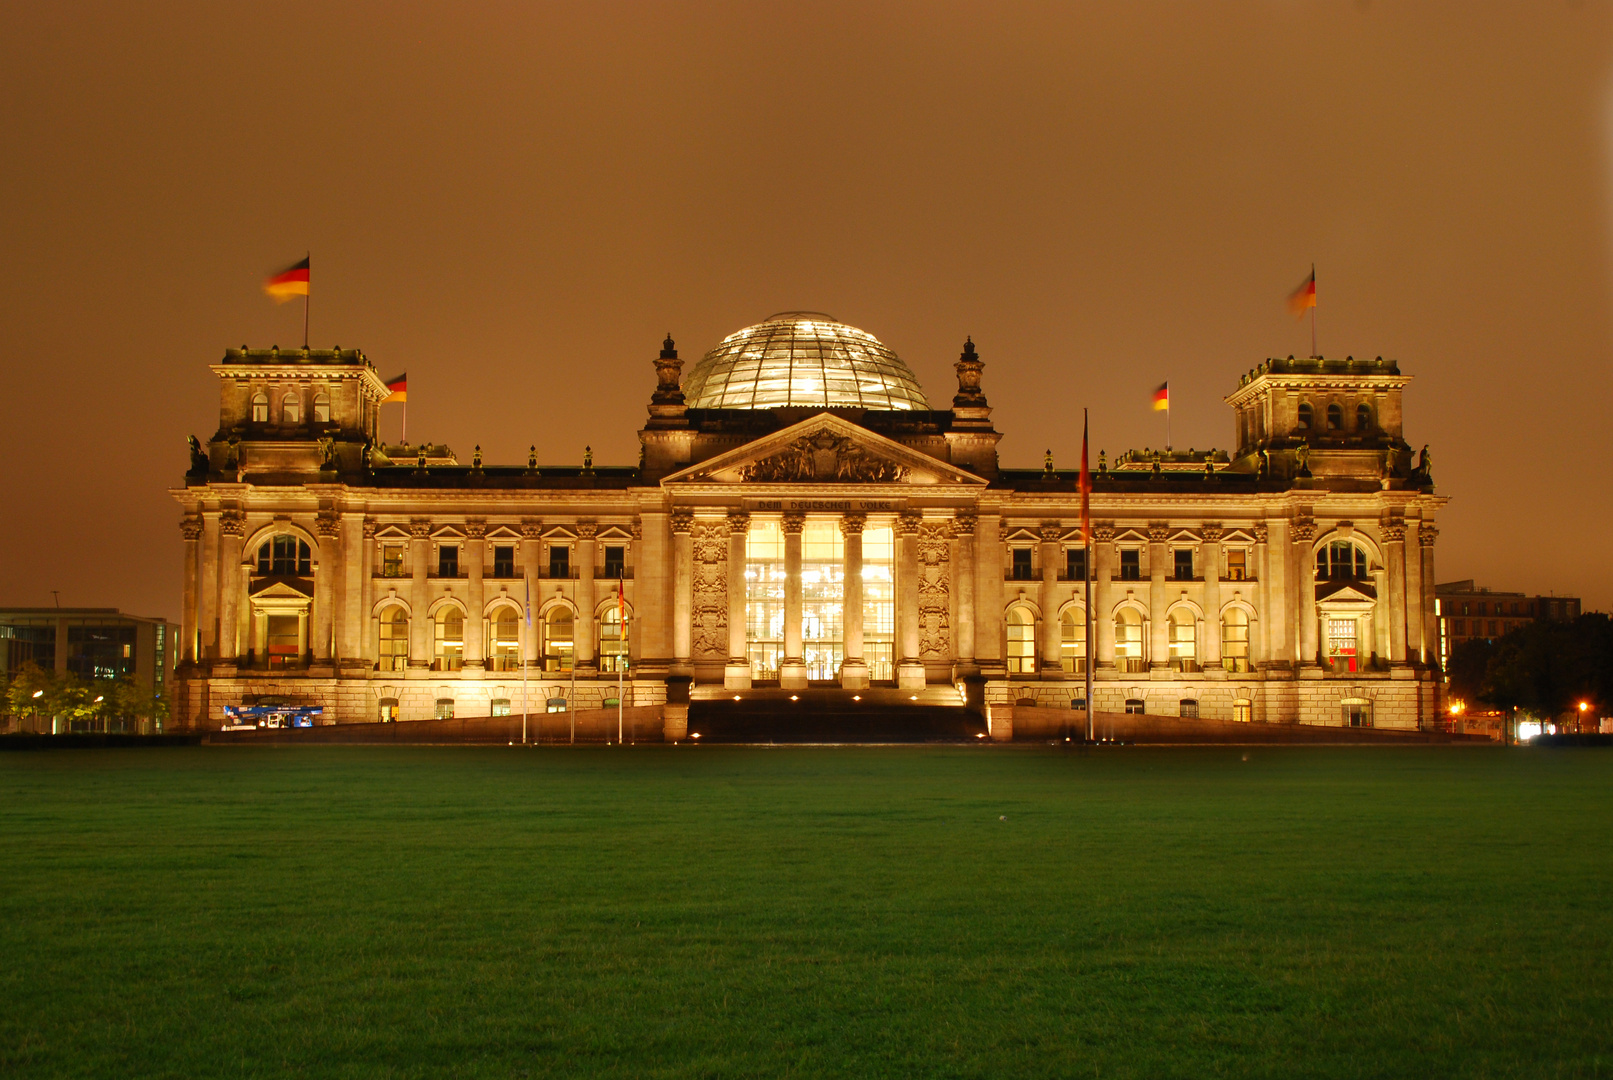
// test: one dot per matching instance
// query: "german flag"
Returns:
(292, 281)
(399, 387)
(1304, 297)
(1162, 397)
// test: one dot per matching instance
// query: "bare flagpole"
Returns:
(1086, 540)
(526, 628)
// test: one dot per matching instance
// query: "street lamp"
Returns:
(1584, 705)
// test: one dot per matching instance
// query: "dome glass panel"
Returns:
(802, 358)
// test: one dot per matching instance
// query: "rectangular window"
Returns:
(559, 561)
(392, 560)
(1022, 564)
(1075, 564)
(504, 561)
(448, 560)
(1184, 564)
(1357, 714)
(879, 601)
(1134, 706)
(823, 593)
(501, 707)
(764, 597)
(1243, 711)
(1460, 627)
(1188, 709)
(1237, 564)
(1492, 628)
(444, 709)
(1131, 565)
(615, 561)
(1341, 644)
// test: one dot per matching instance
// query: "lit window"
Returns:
(394, 651)
(321, 409)
(1342, 647)
(392, 560)
(1129, 640)
(284, 555)
(260, 408)
(1134, 706)
(1073, 640)
(1243, 711)
(558, 628)
(448, 646)
(1304, 423)
(290, 410)
(1237, 564)
(764, 597)
(1357, 712)
(1341, 560)
(612, 640)
(1021, 641)
(1235, 640)
(500, 706)
(443, 709)
(1335, 418)
(507, 640)
(1183, 640)
(388, 712)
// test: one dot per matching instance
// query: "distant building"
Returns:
(93, 643)
(1466, 611)
(801, 515)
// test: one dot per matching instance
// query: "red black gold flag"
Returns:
(1086, 486)
(292, 281)
(399, 387)
(1162, 397)
(1304, 297)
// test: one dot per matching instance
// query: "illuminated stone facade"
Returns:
(822, 542)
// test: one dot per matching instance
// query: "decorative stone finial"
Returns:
(969, 368)
(668, 374)
(1047, 463)
(476, 457)
(588, 459)
(669, 348)
(532, 458)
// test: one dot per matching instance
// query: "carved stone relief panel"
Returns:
(709, 609)
(935, 624)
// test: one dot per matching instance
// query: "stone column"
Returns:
(1394, 546)
(682, 590)
(531, 587)
(792, 666)
(1304, 532)
(1159, 650)
(909, 666)
(475, 554)
(1050, 533)
(988, 651)
(232, 532)
(1263, 603)
(1210, 556)
(854, 670)
(963, 527)
(420, 593)
(1103, 623)
(207, 603)
(327, 526)
(354, 610)
(1417, 648)
(587, 548)
(1427, 534)
(191, 528)
(1280, 593)
(736, 675)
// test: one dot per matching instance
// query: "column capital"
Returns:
(1393, 532)
(908, 524)
(1304, 530)
(738, 522)
(420, 528)
(1051, 532)
(636, 530)
(1103, 531)
(370, 527)
(853, 524)
(475, 529)
(1211, 532)
(964, 523)
(232, 523)
(1427, 532)
(531, 528)
(587, 530)
(190, 526)
(794, 522)
(683, 521)
(327, 524)
(1158, 532)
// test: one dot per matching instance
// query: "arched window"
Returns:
(284, 555)
(558, 627)
(1243, 711)
(1341, 560)
(1073, 641)
(1134, 706)
(1335, 418)
(394, 650)
(1304, 423)
(612, 650)
(1129, 640)
(321, 408)
(1184, 640)
(291, 409)
(260, 408)
(506, 640)
(1235, 640)
(1021, 640)
(443, 709)
(388, 712)
(1363, 417)
(448, 639)
(1357, 712)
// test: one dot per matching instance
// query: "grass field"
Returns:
(976, 911)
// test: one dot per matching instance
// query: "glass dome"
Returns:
(802, 358)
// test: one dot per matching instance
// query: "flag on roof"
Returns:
(292, 281)
(399, 387)
(1086, 485)
(1304, 297)
(1162, 397)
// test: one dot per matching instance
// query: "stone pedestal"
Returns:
(674, 723)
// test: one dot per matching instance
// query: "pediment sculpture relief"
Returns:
(823, 458)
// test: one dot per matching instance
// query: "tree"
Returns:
(1546, 668)
(29, 688)
(1467, 666)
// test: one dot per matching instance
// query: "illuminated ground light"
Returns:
(794, 697)
(856, 697)
(694, 734)
(736, 697)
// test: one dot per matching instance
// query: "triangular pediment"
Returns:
(1343, 593)
(824, 449)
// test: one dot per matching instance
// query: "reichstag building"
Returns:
(802, 515)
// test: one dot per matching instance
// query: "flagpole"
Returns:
(526, 623)
(1086, 540)
(621, 664)
(306, 299)
(1314, 351)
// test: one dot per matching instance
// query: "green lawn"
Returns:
(976, 911)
